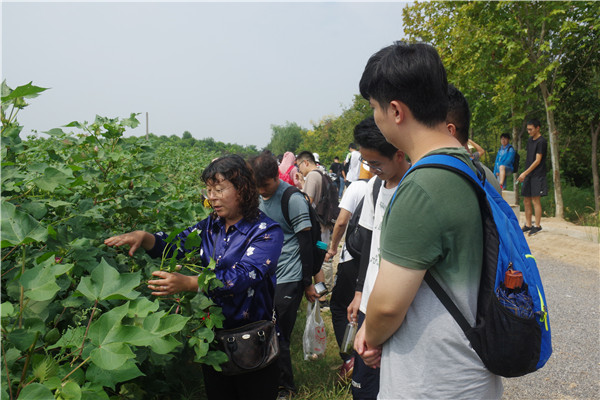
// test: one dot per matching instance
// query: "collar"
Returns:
(243, 226)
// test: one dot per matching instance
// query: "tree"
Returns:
(510, 52)
(285, 138)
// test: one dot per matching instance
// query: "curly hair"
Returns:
(234, 169)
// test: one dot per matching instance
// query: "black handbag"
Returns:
(249, 348)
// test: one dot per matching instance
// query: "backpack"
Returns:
(515, 164)
(507, 344)
(327, 208)
(320, 248)
(355, 234)
(286, 176)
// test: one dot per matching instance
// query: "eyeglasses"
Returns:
(375, 169)
(216, 193)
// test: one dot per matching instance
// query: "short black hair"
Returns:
(265, 167)
(306, 155)
(410, 73)
(352, 146)
(535, 122)
(368, 136)
(458, 113)
(505, 135)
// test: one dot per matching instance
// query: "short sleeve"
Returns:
(411, 229)
(298, 212)
(352, 196)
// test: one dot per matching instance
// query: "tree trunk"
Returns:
(553, 136)
(594, 133)
(517, 145)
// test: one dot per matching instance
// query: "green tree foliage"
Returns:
(285, 138)
(332, 135)
(510, 59)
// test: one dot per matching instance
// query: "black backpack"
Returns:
(355, 234)
(315, 230)
(327, 207)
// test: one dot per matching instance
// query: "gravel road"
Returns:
(573, 370)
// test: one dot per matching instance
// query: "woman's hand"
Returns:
(134, 239)
(171, 283)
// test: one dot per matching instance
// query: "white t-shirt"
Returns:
(372, 221)
(354, 168)
(352, 196)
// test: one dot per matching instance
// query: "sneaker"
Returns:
(527, 228)
(284, 394)
(345, 371)
(534, 230)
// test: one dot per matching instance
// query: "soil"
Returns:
(567, 242)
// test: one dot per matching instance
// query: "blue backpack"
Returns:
(512, 329)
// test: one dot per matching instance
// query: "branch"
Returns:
(31, 349)
(76, 368)
(7, 372)
(85, 335)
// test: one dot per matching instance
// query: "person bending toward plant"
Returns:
(245, 244)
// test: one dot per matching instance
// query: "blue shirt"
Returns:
(506, 157)
(246, 260)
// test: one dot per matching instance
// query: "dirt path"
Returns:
(566, 242)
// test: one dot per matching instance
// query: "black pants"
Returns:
(341, 297)
(287, 300)
(261, 384)
(365, 380)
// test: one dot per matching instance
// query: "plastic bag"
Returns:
(314, 340)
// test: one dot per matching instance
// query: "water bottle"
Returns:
(348, 341)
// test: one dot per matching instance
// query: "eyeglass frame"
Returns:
(217, 193)
(365, 162)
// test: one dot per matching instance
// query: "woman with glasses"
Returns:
(246, 245)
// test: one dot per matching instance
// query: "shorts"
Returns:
(534, 186)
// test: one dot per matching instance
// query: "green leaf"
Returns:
(106, 283)
(72, 338)
(19, 227)
(69, 391)
(6, 309)
(35, 391)
(52, 179)
(125, 372)
(141, 307)
(22, 338)
(27, 91)
(39, 283)
(111, 356)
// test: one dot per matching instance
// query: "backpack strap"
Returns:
(447, 302)
(290, 169)
(285, 203)
(376, 188)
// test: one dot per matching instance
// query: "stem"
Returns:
(86, 333)
(76, 368)
(7, 373)
(21, 297)
(4, 258)
(30, 352)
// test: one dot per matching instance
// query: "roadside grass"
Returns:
(316, 380)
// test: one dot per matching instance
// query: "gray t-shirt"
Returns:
(435, 224)
(289, 266)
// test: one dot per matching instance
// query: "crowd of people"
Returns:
(259, 234)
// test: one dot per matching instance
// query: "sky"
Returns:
(223, 70)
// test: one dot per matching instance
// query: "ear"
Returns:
(452, 129)
(399, 156)
(398, 110)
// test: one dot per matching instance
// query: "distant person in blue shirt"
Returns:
(246, 245)
(504, 159)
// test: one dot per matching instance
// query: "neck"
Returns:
(395, 180)
(230, 221)
(417, 139)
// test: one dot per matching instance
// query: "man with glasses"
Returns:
(389, 165)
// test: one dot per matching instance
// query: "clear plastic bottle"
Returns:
(348, 341)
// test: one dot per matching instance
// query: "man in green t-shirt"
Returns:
(433, 223)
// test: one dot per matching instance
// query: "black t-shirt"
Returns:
(537, 146)
(336, 168)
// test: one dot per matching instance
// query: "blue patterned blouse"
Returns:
(246, 259)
